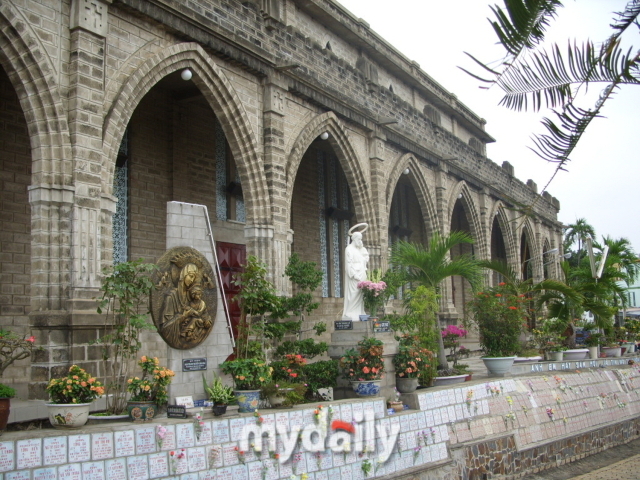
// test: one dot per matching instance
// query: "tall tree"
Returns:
(575, 233)
(431, 265)
(532, 76)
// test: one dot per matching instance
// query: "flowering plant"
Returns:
(499, 315)
(412, 360)
(77, 387)
(152, 387)
(14, 347)
(247, 373)
(373, 293)
(366, 362)
(451, 338)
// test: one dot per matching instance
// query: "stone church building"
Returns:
(290, 120)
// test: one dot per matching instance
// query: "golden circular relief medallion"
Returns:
(183, 302)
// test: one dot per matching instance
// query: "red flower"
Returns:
(512, 308)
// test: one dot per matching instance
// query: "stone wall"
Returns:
(507, 427)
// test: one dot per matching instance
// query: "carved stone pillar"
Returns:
(377, 241)
(447, 309)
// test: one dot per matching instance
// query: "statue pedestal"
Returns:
(343, 340)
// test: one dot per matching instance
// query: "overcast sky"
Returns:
(602, 182)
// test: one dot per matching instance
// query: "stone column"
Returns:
(377, 241)
(281, 236)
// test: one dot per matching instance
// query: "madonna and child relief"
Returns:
(183, 302)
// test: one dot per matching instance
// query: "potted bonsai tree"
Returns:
(220, 394)
(249, 376)
(499, 315)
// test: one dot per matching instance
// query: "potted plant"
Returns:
(284, 394)
(592, 342)
(611, 348)
(13, 347)
(249, 376)
(373, 293)
(410, 362)
(149, 391)
(364, 367)
(70, 398)
(125, 305)
(220, 394)
(499, 315)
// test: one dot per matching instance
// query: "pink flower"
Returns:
(31, 339)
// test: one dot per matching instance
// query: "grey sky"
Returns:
(601, 184)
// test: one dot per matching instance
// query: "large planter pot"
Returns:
(248, 400)
(68, 415)
(141, 411)
(593, 352)
(218, 410)
(527, 359)
(576, 354)
(450, 380)
(612, 351)
(556, 356)
(406, 385)
(498, 366)
(276, 400)
(366, 388)
(5, 409)
(630, 346)
(106, 419)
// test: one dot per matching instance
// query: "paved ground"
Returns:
(618, 463)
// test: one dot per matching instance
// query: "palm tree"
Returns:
(539, 293)
(622, 255)
(575, 233)
(531, 76)
(432, 264)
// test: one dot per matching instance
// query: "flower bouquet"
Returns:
(373, 291)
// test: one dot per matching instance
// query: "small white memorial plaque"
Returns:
(79, 448)
(73, 472)
(220, 431)
(197, 459)
(226, 473)
(145, 440)
(21, 475)
(55, 450)
(93, 471)
(185, 436)
(158, 465)
(29, 453)
(7, 461)
(186, 401)
(45, 474)
(102, 445)
(125, 443)
(240, 472)
(137, 468)
(116, 468)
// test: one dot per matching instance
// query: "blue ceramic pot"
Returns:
(368, 388)
(141, 411)
(248, 400)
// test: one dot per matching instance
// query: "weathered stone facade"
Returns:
(87, 87)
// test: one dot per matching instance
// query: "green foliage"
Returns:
(305, 277)
(499, 315)
(321, 374)
(218, 392)
(125, 305)
(6, 391)
(247, 373)
(594, 339)
(308, 348)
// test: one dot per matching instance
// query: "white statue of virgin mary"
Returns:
(355, 271)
